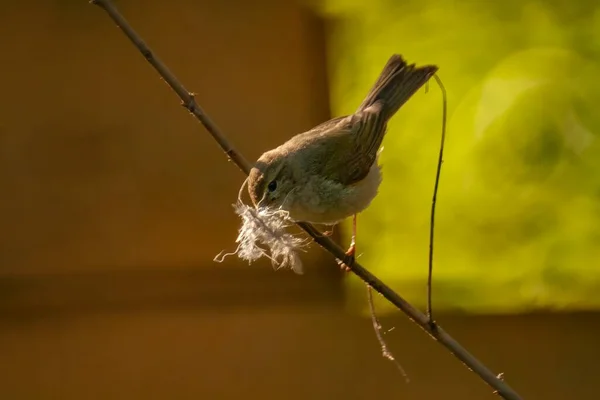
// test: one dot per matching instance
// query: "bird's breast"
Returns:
(322, 201)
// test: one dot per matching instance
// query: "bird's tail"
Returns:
(396, 84)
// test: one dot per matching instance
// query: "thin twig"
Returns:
(377, 327)
(415, 315)
(434, 200)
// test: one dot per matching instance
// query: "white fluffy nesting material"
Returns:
(263, 234)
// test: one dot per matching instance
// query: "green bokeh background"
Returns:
(519, 202)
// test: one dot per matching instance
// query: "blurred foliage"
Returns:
(519, 203)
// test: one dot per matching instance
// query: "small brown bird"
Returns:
(331, 172)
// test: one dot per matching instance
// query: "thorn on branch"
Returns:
(500, 376)
(433, 327)
(230, 154)
(190, 103)
(147, 53)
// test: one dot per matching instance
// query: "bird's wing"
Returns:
(356, 140)
(368, 130)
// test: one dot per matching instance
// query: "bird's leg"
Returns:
(349, 259)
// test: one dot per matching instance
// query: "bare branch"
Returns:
(434, 200)
(415, 315)
(385, 352)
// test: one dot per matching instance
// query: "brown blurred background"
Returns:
(114, 203)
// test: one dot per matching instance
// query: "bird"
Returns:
(331, 172)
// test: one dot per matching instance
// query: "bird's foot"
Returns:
(328, 233)
(348, 260)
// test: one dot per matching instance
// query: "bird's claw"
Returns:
(348, 260)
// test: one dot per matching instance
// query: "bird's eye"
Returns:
(272, 186)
